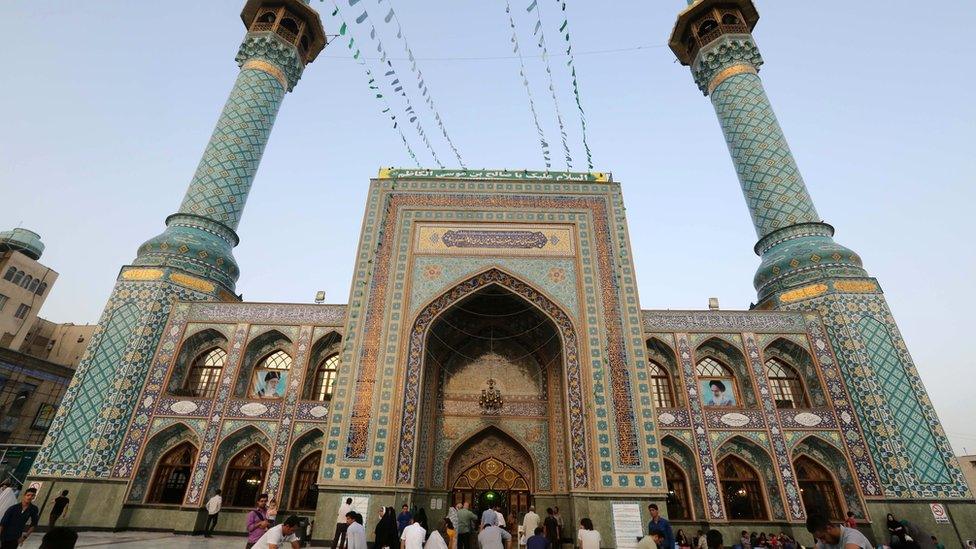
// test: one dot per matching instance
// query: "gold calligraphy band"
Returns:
(261, 65)
(726, 73)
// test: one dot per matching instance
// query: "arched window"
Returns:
(290, 24)
(706, 27)
(325, 377)
(173, 475)
(18, 277)
(303, 494)
(9, 275)
(33, 285)
(204, 376)
(26, 281)
(785, 384)
(730, 19)
(679, 503)
(716, 383)
(267, 17)
(741, 490)
(41, 288)
(817, 488)
(245, 476)
(661, 385)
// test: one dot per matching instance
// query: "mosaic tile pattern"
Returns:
(195, 491)
(781, 457)
(269, 313)
(281, 442)
(387, 215)
(88, 428)
(715, 508)
(431, 273)
(828, 455)
(722, 321)
(871, 357)
(774, 189)
(226, 171)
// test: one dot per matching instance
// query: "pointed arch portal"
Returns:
(561, 351)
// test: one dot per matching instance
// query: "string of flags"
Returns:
(343, 31)
(539, 32)
(546, 155)
(421, 83)
(564, 29)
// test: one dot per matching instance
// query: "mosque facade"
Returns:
(493, 348)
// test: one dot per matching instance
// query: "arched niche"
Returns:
(156, 447)
(319, 363)
(192, 348)
(800, 360)
(682, 456)
(513, 308)
(299, 493)
(492, 460)
(258, 349)
(660, 354)
(757, 458)
(228, 448)
(839, 468)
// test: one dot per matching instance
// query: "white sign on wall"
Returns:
(360, 504)
(939, 513)
(628, 527)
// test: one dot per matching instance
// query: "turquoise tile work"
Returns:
(770, 179)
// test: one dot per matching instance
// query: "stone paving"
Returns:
(132, 540)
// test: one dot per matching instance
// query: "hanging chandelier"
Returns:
(491, 398)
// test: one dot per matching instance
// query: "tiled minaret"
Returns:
(192, 259)
(804, 269)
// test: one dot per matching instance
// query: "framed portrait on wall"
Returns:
(269, 383)
(717, 391)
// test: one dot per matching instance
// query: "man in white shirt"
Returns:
(356, 532)
(452, 514)
(341, 524)
(213, 509)
(530, 522)
(834, 536)
(413, 536)
(499, 517)
(277, 537)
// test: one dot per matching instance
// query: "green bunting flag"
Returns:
(421, 85)
(576, 95)
(528, 89)
(534, 7)
(371, 82)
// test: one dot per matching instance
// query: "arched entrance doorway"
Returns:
(492, 468)
(492, 482)
(493, 352)
(817, 488)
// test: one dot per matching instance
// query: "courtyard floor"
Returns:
(133, 540)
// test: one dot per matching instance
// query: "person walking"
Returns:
(257, 521)
(386, 534)
(355, 532)
(494, 537)
(529, 523)
(59, 509)
(587, 537)
(552, 528)
(658, 522)
(439, 538)
(277, 536)
(488, 517)
(403, 519)
(465, 524)
(213, 509)
(342, 523)
(559, 524)
(8, 496)
(413, 536)
(14, 529)
(452, 513)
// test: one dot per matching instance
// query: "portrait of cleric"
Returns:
(717, 392)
